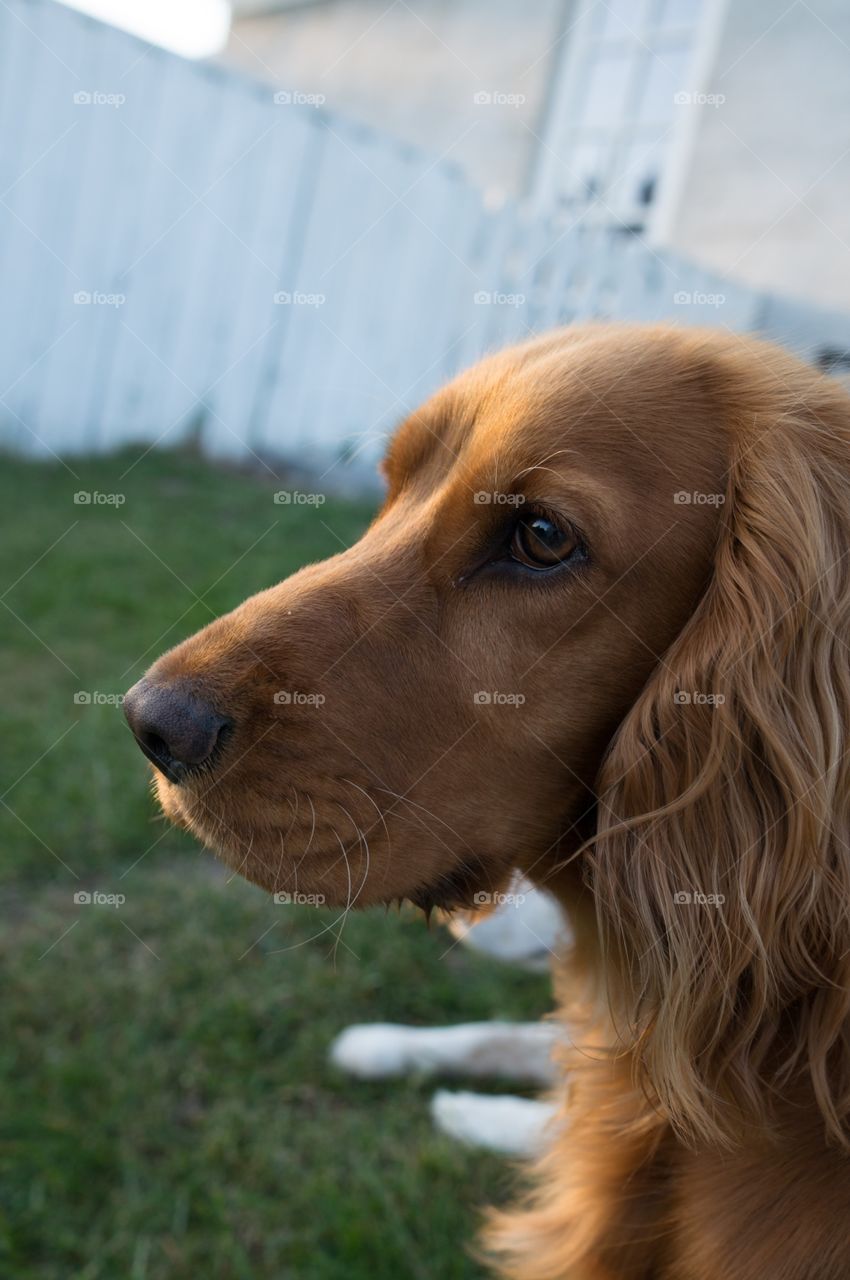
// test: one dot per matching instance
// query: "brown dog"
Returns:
(598, 633)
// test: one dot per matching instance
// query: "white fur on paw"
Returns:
(503, 1123)
(373, 1050)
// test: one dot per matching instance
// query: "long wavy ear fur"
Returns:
(721, 869)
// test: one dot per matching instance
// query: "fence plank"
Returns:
(36, 223)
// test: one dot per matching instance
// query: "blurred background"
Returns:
(238, 243)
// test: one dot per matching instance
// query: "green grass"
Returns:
(169, 1109)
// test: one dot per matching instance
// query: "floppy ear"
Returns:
(721, 868)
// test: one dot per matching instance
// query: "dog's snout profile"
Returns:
(175, 728)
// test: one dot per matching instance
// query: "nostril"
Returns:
(155, 744)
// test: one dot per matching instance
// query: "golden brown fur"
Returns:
(707, 1106)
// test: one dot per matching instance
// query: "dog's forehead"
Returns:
(607, 401)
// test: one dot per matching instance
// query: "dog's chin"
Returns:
(461, 889)
(335, 878)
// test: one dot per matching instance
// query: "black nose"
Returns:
(176, 729)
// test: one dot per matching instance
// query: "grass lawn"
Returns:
(168, 1110)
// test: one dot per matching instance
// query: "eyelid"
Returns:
(549, 512)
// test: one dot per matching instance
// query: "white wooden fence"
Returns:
(181, 252)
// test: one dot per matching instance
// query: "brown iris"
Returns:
(540, 543)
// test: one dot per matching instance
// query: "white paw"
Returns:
(503, 1123)
(373, 1050)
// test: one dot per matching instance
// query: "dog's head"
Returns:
(428, 709)
(607, 596)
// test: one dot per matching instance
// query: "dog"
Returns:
(525, 928)
(596, 635)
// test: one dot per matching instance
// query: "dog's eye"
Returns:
(540, 543)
